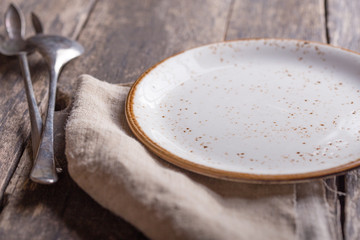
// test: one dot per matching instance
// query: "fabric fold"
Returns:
(162, 200)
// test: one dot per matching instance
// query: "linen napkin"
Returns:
(162, 200)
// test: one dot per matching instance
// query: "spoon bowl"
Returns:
(16, 45)
(56, 50)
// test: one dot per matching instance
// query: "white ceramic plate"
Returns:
(266, 109)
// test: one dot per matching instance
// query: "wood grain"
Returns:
(343, 23)
(278, 19)
(62, 17)
(317, 208)
(122, 39)
(60, 211)
(344, 31)
(14, 119)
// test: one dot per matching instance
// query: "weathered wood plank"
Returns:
(61, 211)
(344, 31)
(67, 17)
(317, 208)
(352, 205)
(122, 39)
(277, 19)
(14, 119)
(65, 211)
(343, 23)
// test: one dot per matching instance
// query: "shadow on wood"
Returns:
(61, 210)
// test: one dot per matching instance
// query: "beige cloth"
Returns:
(166, 202)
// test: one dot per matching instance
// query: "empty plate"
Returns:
(252, 110)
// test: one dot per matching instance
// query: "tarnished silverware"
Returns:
(57, 51)
(16, 46)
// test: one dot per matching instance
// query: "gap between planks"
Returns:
(340, 180)
(3, 198)
(92, 7)
(231, 8)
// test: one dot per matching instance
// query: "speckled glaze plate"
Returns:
(252, 110)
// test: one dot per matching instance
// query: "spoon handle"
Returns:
(35, 117)
(44, 165)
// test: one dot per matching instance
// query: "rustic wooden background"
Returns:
(123, 38)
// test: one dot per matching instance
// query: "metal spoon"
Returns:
(38, 27)
(16, 46)
(57, 51)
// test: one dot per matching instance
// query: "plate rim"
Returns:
(218, 173)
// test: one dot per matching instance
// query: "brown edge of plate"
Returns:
(222, 174)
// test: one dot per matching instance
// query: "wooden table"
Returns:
(122, 39)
